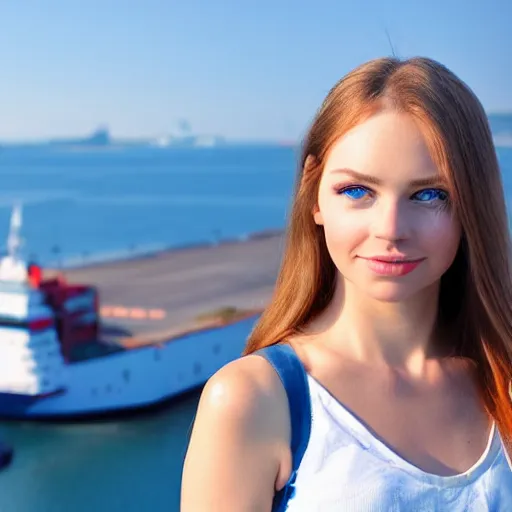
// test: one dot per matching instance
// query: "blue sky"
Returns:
(241, 69)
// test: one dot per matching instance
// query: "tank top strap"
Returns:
(293, 375)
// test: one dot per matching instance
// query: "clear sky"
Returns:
(240, 68)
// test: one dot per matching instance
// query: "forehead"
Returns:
(389, 145)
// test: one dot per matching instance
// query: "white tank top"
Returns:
(346, 468)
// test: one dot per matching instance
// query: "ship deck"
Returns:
(155, 297)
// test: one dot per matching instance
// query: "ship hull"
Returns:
(135, 379)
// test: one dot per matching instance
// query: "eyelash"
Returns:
(445, 198)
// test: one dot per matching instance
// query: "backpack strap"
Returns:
(294, 378)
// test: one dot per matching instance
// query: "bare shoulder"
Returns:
(239, 448)
(243, 386)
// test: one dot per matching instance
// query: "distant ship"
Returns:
(44, 320)
(501, 127)
(99, 138)
(188, 141)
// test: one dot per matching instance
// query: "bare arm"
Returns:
(239, 449)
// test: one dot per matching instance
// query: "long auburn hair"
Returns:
(475, 302)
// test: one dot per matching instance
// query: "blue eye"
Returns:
(431, 194)
(354, 192)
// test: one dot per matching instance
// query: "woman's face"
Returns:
(386, 213)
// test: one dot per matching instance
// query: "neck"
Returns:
(396, 334)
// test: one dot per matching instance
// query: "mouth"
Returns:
(393, 265)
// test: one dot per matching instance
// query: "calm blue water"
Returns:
(83, 203)
(97, 203)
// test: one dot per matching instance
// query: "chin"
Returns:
(392, 292)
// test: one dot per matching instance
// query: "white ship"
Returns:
(43, 320)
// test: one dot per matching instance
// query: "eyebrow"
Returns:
(366, 178)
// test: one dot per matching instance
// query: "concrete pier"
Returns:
(150, 298)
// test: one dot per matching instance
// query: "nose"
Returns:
(392, 222)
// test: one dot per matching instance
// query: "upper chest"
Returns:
(440, 429)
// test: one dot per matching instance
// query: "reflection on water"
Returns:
(127, 465)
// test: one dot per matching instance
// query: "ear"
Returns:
(317, 215)
(307, 171)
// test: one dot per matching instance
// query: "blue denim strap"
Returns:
(294, 378)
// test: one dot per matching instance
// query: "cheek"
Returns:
(344, 229)
(440, 236)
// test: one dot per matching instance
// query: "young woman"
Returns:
(378, 378)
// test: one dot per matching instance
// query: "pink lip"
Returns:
(392, 265)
